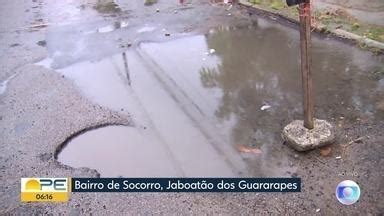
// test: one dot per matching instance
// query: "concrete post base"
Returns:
(302, 139)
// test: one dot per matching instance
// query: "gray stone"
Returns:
(302, 139)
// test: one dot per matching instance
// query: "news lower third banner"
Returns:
(59, 189)
(186, 184)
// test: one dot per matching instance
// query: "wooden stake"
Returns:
(305, 45)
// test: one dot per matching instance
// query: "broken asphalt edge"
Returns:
(338, 33)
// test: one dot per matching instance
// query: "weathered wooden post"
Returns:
(309, 133)
(305, 45)
(305, 50)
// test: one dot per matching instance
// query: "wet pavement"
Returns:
(191, 99)
(222, 91)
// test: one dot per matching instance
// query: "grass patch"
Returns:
(255, 1)
(327, 19)
(277, 5)
(375, 33)
(341, 19)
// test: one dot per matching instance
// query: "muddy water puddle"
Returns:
(107, 150)
(215, 104)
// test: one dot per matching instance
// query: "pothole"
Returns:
(119, 151)
(214, 105)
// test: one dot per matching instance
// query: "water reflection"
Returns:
(230, 96)
(211, 96)
(260, 66)
(252, 74)
(125, 61)
(159, 121)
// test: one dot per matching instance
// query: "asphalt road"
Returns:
(40, 109)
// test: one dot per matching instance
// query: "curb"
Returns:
(339, 33)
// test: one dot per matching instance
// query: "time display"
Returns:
(44, 196)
